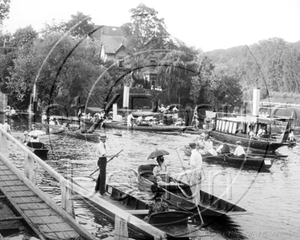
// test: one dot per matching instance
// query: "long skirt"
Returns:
(195, 184)
(100, 185)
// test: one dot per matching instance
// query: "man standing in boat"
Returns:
(102, 161)
(195, 166)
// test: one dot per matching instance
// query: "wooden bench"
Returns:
(138, 212)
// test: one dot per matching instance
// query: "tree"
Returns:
(80, 24)
(83, 22)
(59, 75)
(24, 36)
(4, 9)
(202, 80)
(145, 26)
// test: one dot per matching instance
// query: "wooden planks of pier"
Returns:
(45, 222)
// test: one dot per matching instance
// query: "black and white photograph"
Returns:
(149, 119)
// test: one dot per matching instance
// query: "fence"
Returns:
(122, 218)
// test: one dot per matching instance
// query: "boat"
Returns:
(257, 162)
(174, 222)
(180, 194)
(144, 127)
(54, 129)
(235, 128)
(38, 148)
(90, 137)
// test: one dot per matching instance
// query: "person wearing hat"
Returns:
(239, 151)
(160, 170)
(102, 161)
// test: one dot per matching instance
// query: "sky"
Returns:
(203, 24)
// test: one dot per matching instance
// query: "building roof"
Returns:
(111, 37)
(112, 44)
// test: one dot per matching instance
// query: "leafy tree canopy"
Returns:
(4, 9)
(24, 36)
(145, 25)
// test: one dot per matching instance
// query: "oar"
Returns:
(108, 161)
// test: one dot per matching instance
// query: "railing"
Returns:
(67, 187)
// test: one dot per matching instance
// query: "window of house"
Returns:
(227, 127)
(223, 126)
(121, 62)
(218, 125)
(230, 127)
(234, 127)
(152, 61)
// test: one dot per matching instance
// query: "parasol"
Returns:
(36, 133)
(158, 153)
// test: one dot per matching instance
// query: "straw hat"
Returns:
(238, 142)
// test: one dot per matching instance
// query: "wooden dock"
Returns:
(41, 218)
(40, 212)
(34, 207)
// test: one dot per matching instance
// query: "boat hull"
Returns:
(244, 162)
(38, 149)
(149, 128)
(265, 146)
(139, 208)
(90, 137)
(180, 194)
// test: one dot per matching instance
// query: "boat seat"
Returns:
(138, 211)
(161, 218)
(35, 144)
(146, 170)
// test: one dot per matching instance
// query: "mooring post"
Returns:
(3, 144)
(121, 230)
(29, 169)
(66, 197)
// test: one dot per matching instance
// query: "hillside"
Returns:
(272, 65)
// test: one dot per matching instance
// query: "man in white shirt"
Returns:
(102, 161)
(239, 151)
(130, 119)
(6, 127)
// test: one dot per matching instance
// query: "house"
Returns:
(114, 49)
(113, 44)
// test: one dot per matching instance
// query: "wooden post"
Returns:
(66, 198)
(29, 169)
(3, 144)
(121, 230)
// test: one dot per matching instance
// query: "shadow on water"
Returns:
(223, 226)
(103, 220)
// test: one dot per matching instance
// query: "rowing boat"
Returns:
(244, 162)
(144, 127)
(90, 137)
(38, 148)
(179, 193)
(174, 222)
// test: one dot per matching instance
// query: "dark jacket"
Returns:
(225, 148)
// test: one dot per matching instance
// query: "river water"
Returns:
(271, 198)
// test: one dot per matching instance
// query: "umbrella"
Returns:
(158, 153)
(36, 133)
